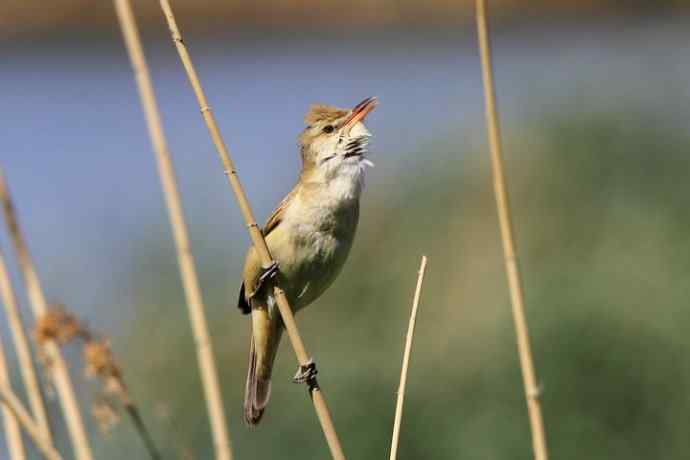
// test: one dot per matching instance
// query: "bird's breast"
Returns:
(319, 236)
(322, 227)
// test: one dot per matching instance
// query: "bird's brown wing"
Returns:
(277, 215)
(252, 267)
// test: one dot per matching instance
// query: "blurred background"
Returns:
(594, 100)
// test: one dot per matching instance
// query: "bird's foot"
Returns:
(306, 373)
(269, 272)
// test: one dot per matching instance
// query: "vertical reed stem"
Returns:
(21, 345)
(255, 233)
(406, 361)
(511, 260)
(10, 401)
(58, 368)
(197, 316)
(12, 433)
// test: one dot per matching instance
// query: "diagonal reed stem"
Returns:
(13, 434)
(23, 350)
(197, 317)
(511, 260)
(58, 368)
(406, 360)
(254, 232)
(10, 401)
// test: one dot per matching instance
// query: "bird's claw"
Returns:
(270, 272)
(306, 373)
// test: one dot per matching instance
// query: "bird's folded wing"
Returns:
(277, 215)
(252, 265)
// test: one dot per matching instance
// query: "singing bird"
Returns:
(309, 235)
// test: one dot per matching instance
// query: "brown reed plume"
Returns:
(258, 241)
(511, 261)
(58, 369)
(204, 349)
(406, 360)
(101, 364)
(63, 327)
(58, 325)
(23, 350)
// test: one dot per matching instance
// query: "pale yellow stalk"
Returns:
(197, 316)
(13, 434)
(320, 406)
(58, 368)
(406, 360)
(511, 261)
(11, 402)
(23, 349)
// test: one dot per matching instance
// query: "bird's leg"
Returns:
(306, 373)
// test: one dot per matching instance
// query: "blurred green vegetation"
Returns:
(600, 203)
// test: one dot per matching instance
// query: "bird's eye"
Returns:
(328, 129)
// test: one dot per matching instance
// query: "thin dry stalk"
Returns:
(406, 360)
(13, 435)
(21, 345)
(255, 233)
(142, 430)
(10, 401)
(204, 349)
(511, 261)
(58, 369)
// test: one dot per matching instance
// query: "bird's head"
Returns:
(335, 140)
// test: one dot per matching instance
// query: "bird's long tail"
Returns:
(258, 388)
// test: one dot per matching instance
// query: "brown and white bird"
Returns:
(309, 235)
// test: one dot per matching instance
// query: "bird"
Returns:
(309, 235)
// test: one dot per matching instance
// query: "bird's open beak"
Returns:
(360, 112)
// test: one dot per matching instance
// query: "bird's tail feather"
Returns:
(257, 392)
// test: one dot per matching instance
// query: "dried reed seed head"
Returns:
(47, 327)
(106, 416)
(57, 324)
(100, 361)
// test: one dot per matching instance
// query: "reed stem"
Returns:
(509, 253)
(257, 238)
(13, 434)
(197, 316)
(23, 350)
(58, 368)
(406, 360)
(10, 401)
